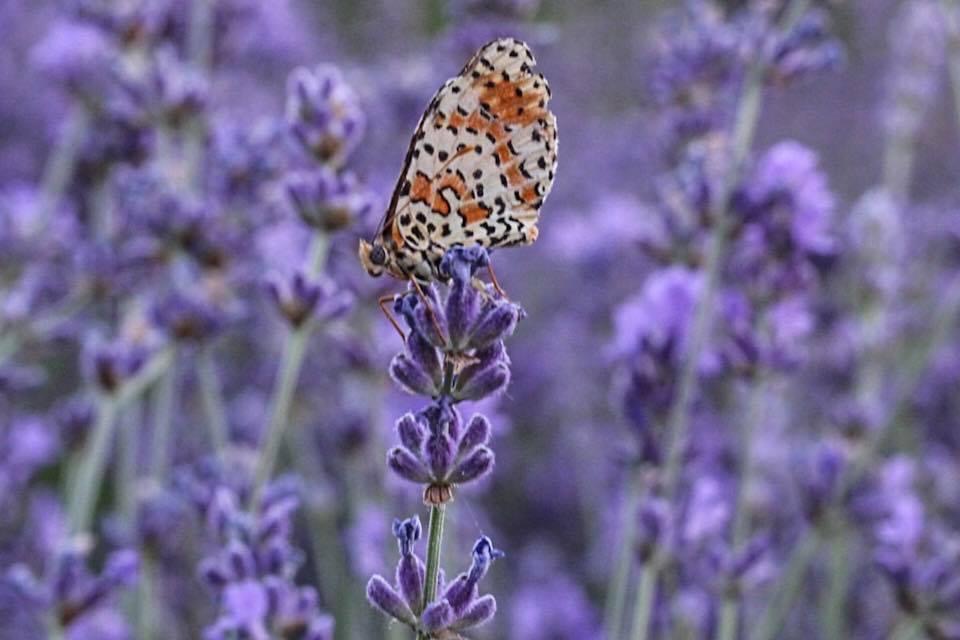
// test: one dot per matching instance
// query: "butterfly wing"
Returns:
(483, 158)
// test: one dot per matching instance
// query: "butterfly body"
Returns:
(478, 169)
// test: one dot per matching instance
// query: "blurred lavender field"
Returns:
(729, 408)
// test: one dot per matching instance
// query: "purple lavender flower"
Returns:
(70, 591)
(244, 160)
(695, 70)
(27, 445)
(437, 450)
(654, 528)
(819, 478)
(299, 300)
(109, 364)
(788, 195)
(79, 57)
(323, 113)
(327, 200)
(188, 317)
(924, 580)
(178, 92)
(459, 607)
(253, 566)
(74, 418)
(465, 331)
(804, 49)
(454, 352)
(917, 40)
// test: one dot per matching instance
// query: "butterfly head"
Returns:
(374, 257)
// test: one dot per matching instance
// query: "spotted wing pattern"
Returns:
(481, 162)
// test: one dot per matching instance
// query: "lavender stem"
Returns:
(729, 618)
(146, 598)
(437, 513)
(748, 112)
(944, 319)
(834, 599)
(163, 421)
(212, 400)
(90, 473)
(788, 587)
(127, 464)
(646, 591)
(617, 591)
(908, 628)
(729, 614)
(745, 124)
(89, 477)
(60, 165)
(434, 542)
(293, 353)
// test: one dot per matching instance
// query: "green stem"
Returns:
(762, 388)
(748, 112)
(434, 543)
(945, 318)
(212, 400)
(90, 473)
(789, 586)
(729, 613)
(834, 604)
(89, 477)
(745, 123)
(729, 609)
(9, 343)
(328, 561)
(293, 354)
(898, 165)
(908, 628)
(54, 630)
(163, 422)
(146, 598)
(101, 206)
(912, 368)
(620, 579)
(646, 591)
(60, 165)
(127, 464)
(317, 255)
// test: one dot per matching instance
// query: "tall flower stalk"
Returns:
(454, 352)
(324, 118)
(782, 45)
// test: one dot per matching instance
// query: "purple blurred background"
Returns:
(731, 409)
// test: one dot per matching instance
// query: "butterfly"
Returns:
(479, 167)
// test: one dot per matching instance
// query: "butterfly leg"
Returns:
(495, 282)
(429, 308)
(382, 303)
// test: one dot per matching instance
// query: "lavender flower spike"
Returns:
(437, 450)
(459, 608)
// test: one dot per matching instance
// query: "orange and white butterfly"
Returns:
(479, 167)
